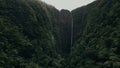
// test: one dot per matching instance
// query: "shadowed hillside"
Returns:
(34, 34)
(98, 44)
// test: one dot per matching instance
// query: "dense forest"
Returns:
(26, 38)
(97, 41)
(34, 34)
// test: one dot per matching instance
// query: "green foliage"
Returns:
(26, 39)
(98, 45)
(36, 35)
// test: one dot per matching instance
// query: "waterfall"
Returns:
(72, 33)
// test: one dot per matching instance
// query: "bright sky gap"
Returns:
(68, 4)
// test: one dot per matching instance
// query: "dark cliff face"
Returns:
(65, 31)
(80, 19)
(36, 35)
(62, 30)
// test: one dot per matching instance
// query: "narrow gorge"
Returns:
(34, 34)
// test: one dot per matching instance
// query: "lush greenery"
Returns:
(36, 35)
(99, 44)
(26, 39)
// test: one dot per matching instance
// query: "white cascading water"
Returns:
(71, 33)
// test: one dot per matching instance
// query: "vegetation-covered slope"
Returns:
(26, 39)
(99, 44)
(36, 35)
(80, 19)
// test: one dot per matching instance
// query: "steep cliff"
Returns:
(99, 42)
(80, 19)
(65, 31)
(34, 34)
(61, 21)
(26, 38)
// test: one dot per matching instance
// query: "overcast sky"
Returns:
(68, 4)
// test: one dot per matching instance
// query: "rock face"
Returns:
(36, 35)
(65, 32)
(62, 30)
(80, 19)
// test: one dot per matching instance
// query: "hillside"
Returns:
(26, 38)
(99, 42)
(34, 34)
